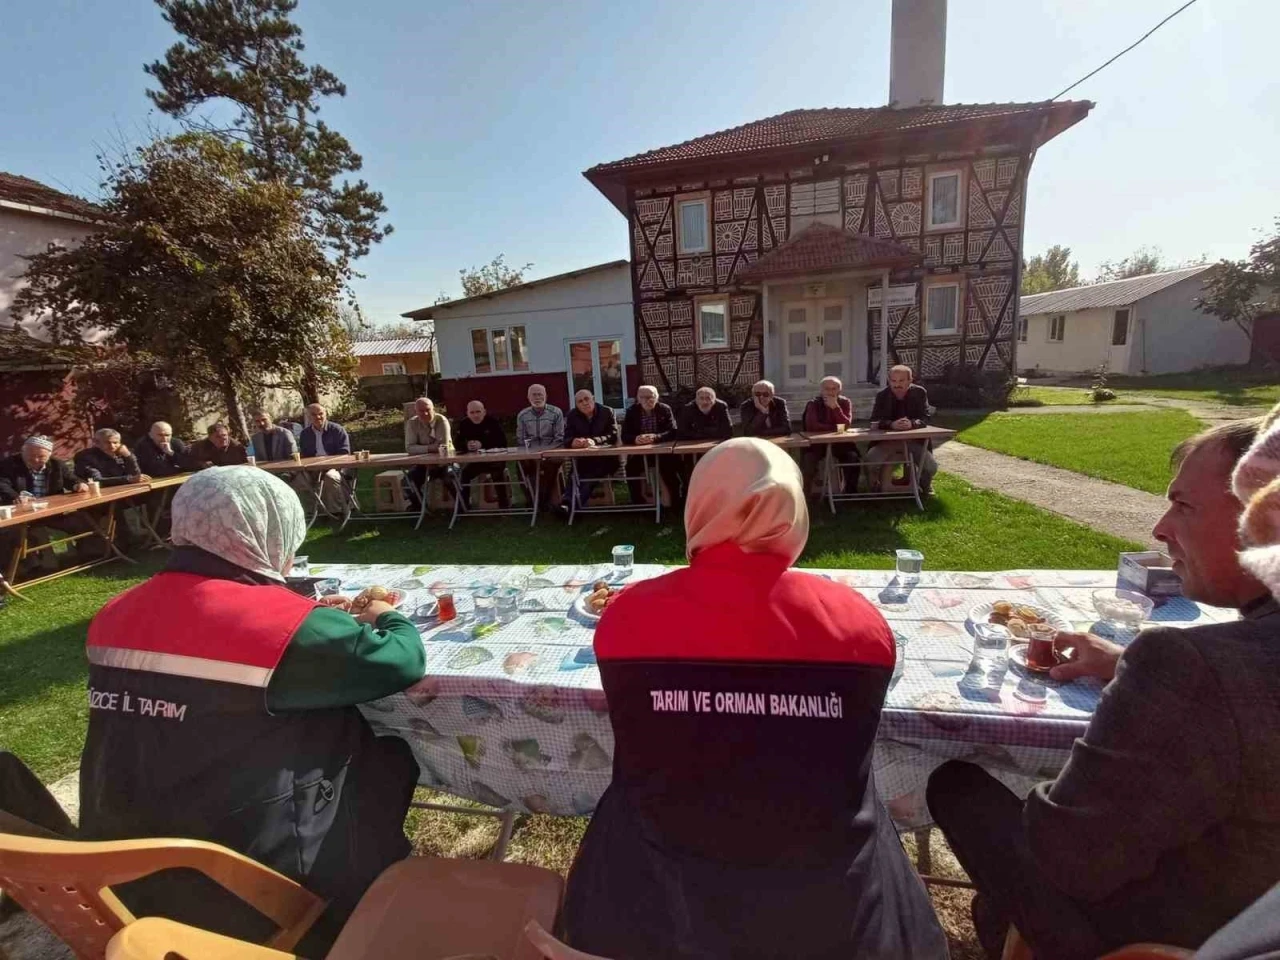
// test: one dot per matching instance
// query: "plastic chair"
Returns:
(1015, 948)
(66, 884)
(551, 948)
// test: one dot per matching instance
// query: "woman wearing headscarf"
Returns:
(222, 708)
(742, 819)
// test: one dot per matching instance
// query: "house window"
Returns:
(390, 369)
(1057, 328)
(944, 199)
(942, 308)
(1120, 328)
(500, 350)
(713, 324)
(1022, 329)
(693, 234)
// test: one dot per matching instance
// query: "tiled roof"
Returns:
(21, 351)
(1114, 293)
(799, 127)
(374, 348)
(821, 248)
(32, 193)
(427, 313)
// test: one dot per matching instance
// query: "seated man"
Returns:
(590, 424)
(427, 432)
(539, 426)
(160, 453)
(218, 449)
(34, 473)
(1165, 822)
(646, 423)
(110, 460)
(475, 432)
(705, 419)
(902, 405)
(323, 438)
(823, 414)
(270, 442)
(764, 415)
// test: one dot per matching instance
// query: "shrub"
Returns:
(964, 386)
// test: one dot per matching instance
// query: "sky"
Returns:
(476, 119)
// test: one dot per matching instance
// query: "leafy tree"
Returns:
(1239, 291)
(1052, 270)
(494, 275)
(1142, 261)
(202, 266)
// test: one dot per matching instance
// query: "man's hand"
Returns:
(337, 602)
(473, 445)
(577, 443)
(761, 405)
(902, 423)
(80, 488)
(645, 439)
(589, 442)
(831, 402)
(373, 610)
(1091, 656)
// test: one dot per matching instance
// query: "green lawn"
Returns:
(1033, 396)
(42, 673)
(1128, 448)
(1234, 386)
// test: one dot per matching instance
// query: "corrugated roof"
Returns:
(374, 348)
(33, 193)
(799, 127)
(822, 248)
(426, 313)
(1113, 293)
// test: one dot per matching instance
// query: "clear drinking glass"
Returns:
(484, 600)
(329, 587)
(301, 567)
(508, 604)
(623, 557)
(909, 565)
(990, 646)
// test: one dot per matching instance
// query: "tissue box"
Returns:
(1150, 573)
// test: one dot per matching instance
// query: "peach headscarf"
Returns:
(748, 492)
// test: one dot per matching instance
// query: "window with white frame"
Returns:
(500, 349)
(390, 369)
(713, 324)
(693, 224)
(1022, 329)
(944, 200)
(942, 308)
(1057, 328)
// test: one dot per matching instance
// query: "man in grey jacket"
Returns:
(540, 426)
(270, 442)
(1165, 822)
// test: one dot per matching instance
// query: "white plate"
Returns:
(982, 613)
(581, 608)
(404, 595)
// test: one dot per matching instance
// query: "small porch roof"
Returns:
(821, 248)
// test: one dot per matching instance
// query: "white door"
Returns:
(798, 331)
(832, 345)
(596, 365)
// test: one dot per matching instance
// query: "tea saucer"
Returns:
(1018, 654)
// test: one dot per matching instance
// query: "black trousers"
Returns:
(420, 475)
(982, 821)
(495, 473)
(811, 461)
(668, 470)
(23, 795)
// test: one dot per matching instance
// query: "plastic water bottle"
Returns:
(248, 450)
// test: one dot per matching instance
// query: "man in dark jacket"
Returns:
(36, 472)
(271, 443)
(160, 453)
(322, 437)
(216, 450)
(764, 415)
(707, 418)
(590, 425)
(646, 423)
(902, 405)
(475, 432)
(110, 459)
(1165, 822)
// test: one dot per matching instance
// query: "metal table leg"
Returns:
(656, 480)
(151, 520)
(829, 477)
(573, 496)
(110, 535)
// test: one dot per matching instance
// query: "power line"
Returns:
(1126, 49)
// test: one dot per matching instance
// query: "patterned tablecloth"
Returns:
(513, 714)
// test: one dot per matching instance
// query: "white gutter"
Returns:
(43, 211)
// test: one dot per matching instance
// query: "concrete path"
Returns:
(1108, 507)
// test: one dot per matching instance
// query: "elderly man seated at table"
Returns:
(764, 414)
(110, 460)
(270, 442)
(1165, 822)
(650, 421)
(736, 826)
(160, 453)
(902, 405)
(322, 437)
(475, 432)
(707, 418)
(540, 426)
(590, 424)
(35, 473)
(826, 413)
(218, 449)
(427, 432)
(224, 709)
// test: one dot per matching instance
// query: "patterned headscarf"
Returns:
(244, 515)
(1256, 482)
(749, 492)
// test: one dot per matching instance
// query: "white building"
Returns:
(1142, 325)
(567, 332)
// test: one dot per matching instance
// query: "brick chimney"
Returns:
(917, 52)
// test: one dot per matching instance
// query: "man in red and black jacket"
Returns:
(824, 413)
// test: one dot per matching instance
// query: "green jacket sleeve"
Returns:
(333, 660)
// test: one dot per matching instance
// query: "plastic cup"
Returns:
(842, 428)
(329, 587)
(624, 555)
(251, 461)
(507, 603)
(908, 564)
(484, 600)
(990, 646)
(301, 567)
